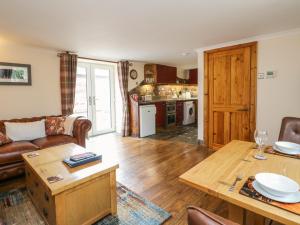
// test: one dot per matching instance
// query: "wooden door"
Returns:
(231, 94)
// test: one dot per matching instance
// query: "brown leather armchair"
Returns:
(197, 216)
(11, 163)
(290, 130)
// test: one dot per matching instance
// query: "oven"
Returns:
(170, 114)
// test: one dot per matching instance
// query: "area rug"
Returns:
(17, 209)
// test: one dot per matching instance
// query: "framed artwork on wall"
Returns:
(15, 74)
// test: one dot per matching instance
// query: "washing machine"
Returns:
(188, 112)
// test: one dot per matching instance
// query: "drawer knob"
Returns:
(36, 184)
(46, 197)
(45, 213)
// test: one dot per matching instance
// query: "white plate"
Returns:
(292, 198)
(287, 152)
(277, 184)
(285, 145)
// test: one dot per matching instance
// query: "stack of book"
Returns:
(81, 159)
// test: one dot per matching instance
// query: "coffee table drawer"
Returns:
(40, 196)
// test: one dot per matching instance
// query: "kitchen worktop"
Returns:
(167, 100)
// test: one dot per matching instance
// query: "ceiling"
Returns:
(153, 31)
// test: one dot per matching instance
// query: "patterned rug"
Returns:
(17, 209)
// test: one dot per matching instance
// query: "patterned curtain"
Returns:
(68, 67)
(123, 68)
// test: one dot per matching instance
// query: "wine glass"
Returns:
(261, 137)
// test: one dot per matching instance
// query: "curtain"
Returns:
(123, 68)
(68, 67)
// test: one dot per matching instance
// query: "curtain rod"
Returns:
(58, 54)
(97, 59)
(100, 60)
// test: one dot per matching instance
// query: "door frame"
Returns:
(90, 94)
(112, 97)
(253, 88)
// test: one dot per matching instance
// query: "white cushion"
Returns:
(25, 131)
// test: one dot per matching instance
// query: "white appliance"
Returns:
(147, 120)
(188, 112)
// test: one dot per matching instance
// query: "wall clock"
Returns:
(133, 74)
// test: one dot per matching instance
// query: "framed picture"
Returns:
(15, 74)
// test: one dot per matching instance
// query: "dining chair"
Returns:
(290, 130)
(198, 216)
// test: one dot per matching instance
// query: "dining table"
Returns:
(235, 162)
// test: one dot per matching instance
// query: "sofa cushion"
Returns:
(50, 141)
(25, 131)
(4, 139)
(55, 125)
(10, 153)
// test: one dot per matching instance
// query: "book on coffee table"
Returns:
(72, 163)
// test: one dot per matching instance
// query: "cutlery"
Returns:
(237, 179)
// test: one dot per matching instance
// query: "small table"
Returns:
(216, 173)
(86, 194)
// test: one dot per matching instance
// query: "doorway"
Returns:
(230, 94)
(95, 96)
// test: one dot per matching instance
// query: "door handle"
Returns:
(90, 100)
(94, 100)
(243, 110)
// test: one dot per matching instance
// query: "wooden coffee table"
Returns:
(86, 194)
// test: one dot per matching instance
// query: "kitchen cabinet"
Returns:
(179, 112)
(160, 114)
(161, 74)
(193, 76)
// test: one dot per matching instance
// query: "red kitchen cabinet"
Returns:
(160, 114)
(179, 112)
(160, 73)
(193, 76)
(166, 74)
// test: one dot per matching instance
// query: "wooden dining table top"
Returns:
(215, 175)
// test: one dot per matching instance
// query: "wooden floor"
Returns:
(151, 168)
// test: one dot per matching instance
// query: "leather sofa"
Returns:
(290, 130)
(198, 216)
(11, 163)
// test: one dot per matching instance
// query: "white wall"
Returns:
(276, 97)
(43, 97)
(139, 67)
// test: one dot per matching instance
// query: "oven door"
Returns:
(171, 119)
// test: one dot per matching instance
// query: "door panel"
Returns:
(82, 100)
(239, 126)
(218, 131)
(94, 96)
(239, 85)
(220, 77)
(229, 98)
(103, 84)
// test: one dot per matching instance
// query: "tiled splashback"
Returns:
(166, 90)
